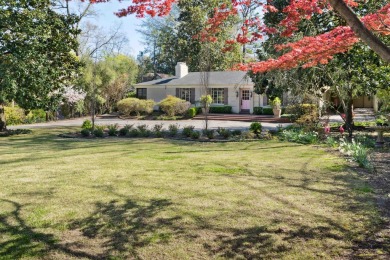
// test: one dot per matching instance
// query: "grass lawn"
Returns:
(163, 199)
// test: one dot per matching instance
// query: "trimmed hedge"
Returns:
(258, 110)
(268, 111)
(221, 109)
(265, 110)
(193, 111)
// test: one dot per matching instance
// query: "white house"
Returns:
(231, 88)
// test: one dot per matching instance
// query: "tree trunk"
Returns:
(349, 114)
(3, 124)
(360, 30)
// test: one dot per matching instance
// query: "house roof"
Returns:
(194, 78)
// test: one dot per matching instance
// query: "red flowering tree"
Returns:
(306, 52)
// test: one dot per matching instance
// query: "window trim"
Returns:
(220, 96)
(145, 90)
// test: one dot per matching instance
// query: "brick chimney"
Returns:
(181, 69)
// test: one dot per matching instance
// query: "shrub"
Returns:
(258, 110)
(297, 135)
(130, 106)
(36, 116)
(236, 132)
(87, 124)
(224, 133)
(365, 140)
(187, 130)
(173, 129)
(356, 151)
(331, 142)
(14, 115)
(112, 129)
(143, 130)
(99, 131)
(298, 110)
(125, 130)
(267, 111)
(248, 135)
(192, 112)
(221, 109)
(15, 132)
(195, 135)
(134, 133)
(157, 129)
(210, 133)
(266, 135)
(174, 106)
(85, 132)
(256, 128)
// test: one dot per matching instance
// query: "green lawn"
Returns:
(163, 199)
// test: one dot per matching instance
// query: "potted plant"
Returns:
(205, 102)
(276, 107)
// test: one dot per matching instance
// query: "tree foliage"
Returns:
(36, 62)
(308, 51)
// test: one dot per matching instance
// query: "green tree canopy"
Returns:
(36, 61)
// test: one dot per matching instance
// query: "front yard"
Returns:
(165, 199)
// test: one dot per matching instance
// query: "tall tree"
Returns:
(36, 60)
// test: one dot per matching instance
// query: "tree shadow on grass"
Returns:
(22, 240)
(123, 228)
(128, 226)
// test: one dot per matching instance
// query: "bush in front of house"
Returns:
(224, 133)
(258, 110)
(113, 129)
(125, 130)
(87, 124)
(172, 106)
(158, 130)
(187, 130)
(195, 135)
(129, 106)
(221, 109)
(236, 132)
(173, 129)
(210, 133)
(267, 111)
(143, 130)
(85, 132)
(193, 111)
(256, 128)
(99, 131)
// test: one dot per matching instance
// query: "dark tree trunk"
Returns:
(3, 124)
(349, 114)
(360, 30)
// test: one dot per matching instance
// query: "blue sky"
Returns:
(107, 19)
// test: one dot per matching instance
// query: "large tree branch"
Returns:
(360, 30)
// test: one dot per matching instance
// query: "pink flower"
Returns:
(327, 129)
(341, 130)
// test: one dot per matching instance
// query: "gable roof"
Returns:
(194, 78)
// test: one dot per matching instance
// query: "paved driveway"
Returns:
(198, 124)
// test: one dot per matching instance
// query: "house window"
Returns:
(185, 94)
(218, 95)
(141, 93)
